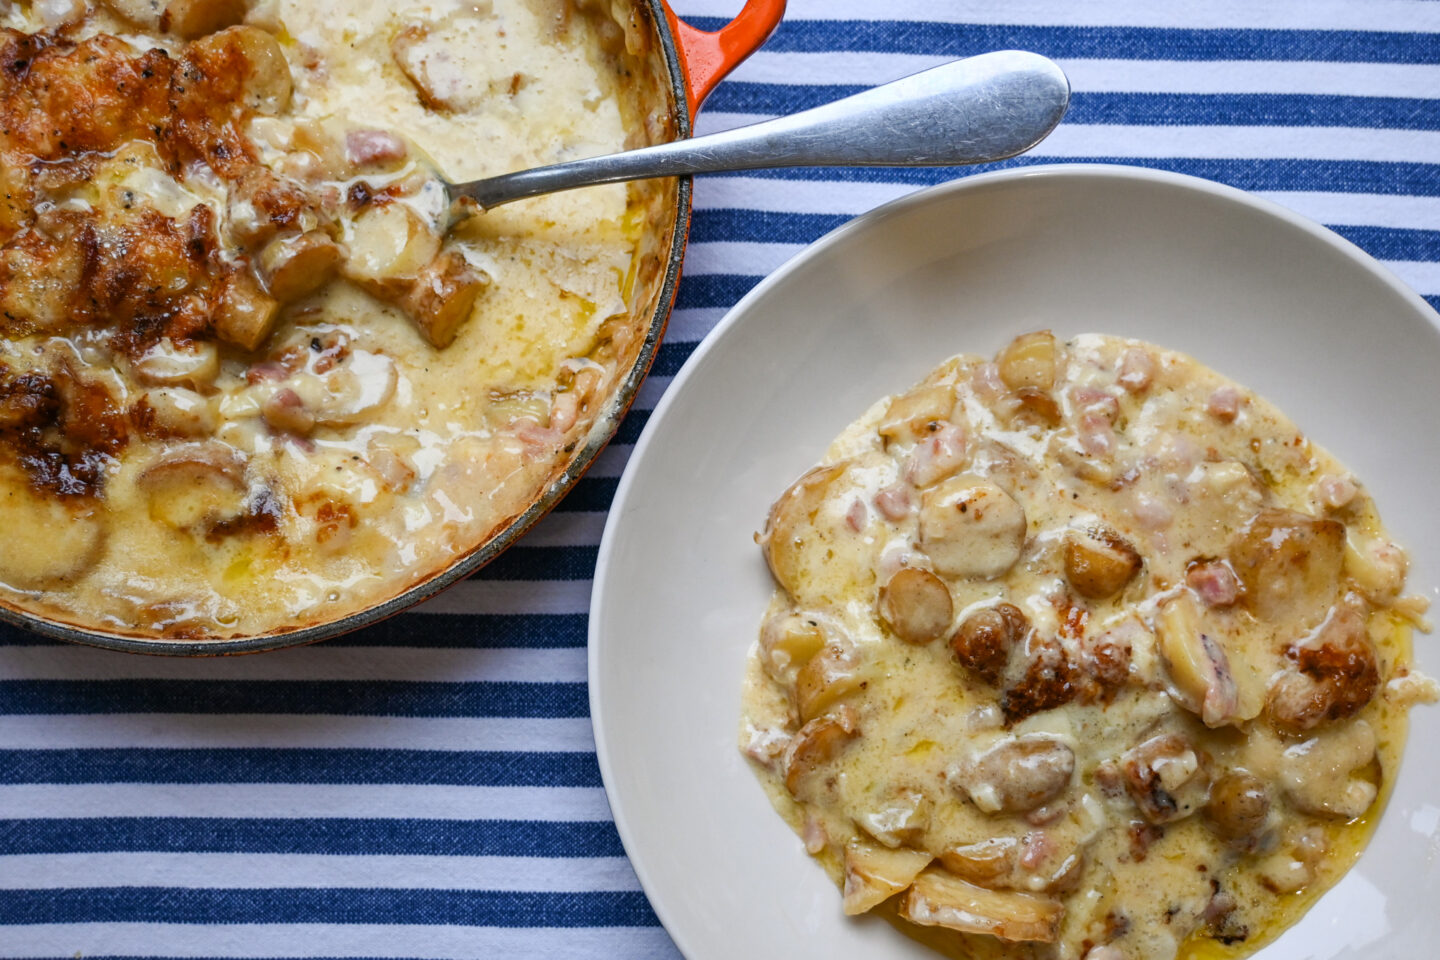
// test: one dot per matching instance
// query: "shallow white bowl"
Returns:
(1260, 294)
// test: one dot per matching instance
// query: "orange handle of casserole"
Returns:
(707, 57)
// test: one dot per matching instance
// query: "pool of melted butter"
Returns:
(1184, 460)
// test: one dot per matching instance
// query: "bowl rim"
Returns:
(600, 434)
(605, 568)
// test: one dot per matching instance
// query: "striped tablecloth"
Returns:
(429, 788)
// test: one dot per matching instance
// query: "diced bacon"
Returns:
(1097, 437)
(1214, 582)
(1151, 512)
(814, 835)
(894, 502)
(1224, 404)
(1334, 491)
(1137, 370)
(1038, 848)
(536, 437)
(267, 372)
(988, 385)
(1095, 401)
(937, 456)
(371, 147)
(856, 516)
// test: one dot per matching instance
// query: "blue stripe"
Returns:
(1334, 176)
(450, 630)
(544, 563)
(391, 698)
(1434, 301)
(1139, 109)
(1107, 43)
(474, 908)
(1393, 243)
(470, 768)
(673, 353)
(714, 290)
(325, 835)
(590, 494)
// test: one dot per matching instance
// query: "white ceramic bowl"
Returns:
(1260, 294)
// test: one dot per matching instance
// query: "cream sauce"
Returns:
(1146, 574)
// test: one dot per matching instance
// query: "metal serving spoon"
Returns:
(968, 111)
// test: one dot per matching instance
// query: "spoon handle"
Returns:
(968, 111)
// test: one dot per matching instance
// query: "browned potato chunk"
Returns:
(47, 540)
(816, 744)
(787, 642)
(971, 528)
(1099, 563)
(940, 899)
(985, 639)
(389, 246)
(1239, 805)
(1030, 360)
(1166, 778)
(900, 819)
(268, 84)
(442, 297)
(790, 528)
(874, 874)
(1017, 774)
(1335, 673)
(195, 18)
(297, 266)
(824, 679)
(244, 314)
(1037, 863)
(917, 606)
(986, 862)
(1289, 565)
(909, 415)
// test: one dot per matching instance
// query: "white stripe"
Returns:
(849, 198)
(854, 68)
(743, 257)
(1361, 209)
(381, 801)
(567, 529)
(1403, 15)
(278, 731)
(693, 323)
(1422, 275)
(320, 662)
(262, 870)
(794, 196)
(358, 940)
(612, 460)
(511, 597)
(650, 392)
(1122, 140)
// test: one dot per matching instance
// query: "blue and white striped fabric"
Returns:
(429, 788)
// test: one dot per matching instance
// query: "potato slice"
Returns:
(909, 415)
(196, 18)
(937, 898)
(47, 540)
(1289, 564)
(917, 605)
(824, 679)
(297, 266)
(1099, 563)
(816, 744)
(787, 642)
(875, 874)
(1016, 774)
(790, 530)
(1197, 664)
